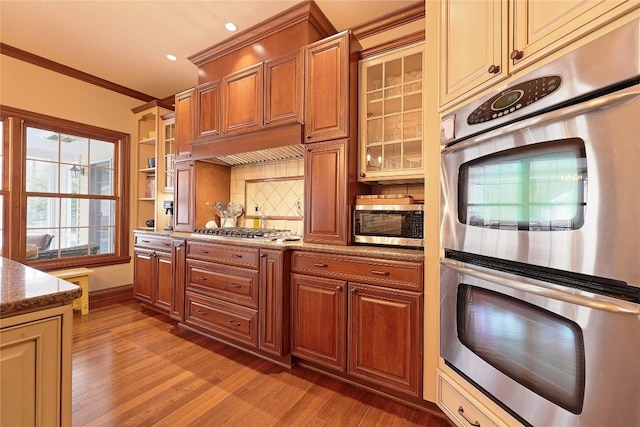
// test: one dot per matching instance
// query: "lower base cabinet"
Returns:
(35, 361)
(368, 332)
(153, 271)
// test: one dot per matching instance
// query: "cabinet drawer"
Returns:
(459, 408)
(395, 274)
(223, 318)
(238, 285)
(232, 255)
(152, 242)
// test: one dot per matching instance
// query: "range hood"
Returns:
(260, 156)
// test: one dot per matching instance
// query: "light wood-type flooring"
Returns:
(137, 368)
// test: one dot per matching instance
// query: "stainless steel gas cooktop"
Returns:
(247, 233)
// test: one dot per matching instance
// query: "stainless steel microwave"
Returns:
(389, 224)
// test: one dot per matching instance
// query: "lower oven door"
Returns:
(549, 355)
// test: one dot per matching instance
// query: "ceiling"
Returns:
(126, 41)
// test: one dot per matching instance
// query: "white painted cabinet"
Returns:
(484, 42)
(35, 367)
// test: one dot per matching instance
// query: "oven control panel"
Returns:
(514, 98)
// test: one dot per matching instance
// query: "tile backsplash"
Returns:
(276, 187)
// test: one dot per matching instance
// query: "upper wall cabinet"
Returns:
(283, 89)
(391, 116)
(184, 125)
(242, 100)
(327, 88)
(484, 42)
(207, 112)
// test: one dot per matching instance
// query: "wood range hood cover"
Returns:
(277, 36)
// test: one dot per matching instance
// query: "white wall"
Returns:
(28, 87)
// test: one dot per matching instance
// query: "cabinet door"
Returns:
(208, 116)
(283, 89)
(176, 310)
(242, 100)
(183, 197)
(184, 108)
(164, 281)
(538, 25)
(385, 330)
(327, 89)
(274, 303)
(326, 218)
(473, 46)
(144, 275)
(318, 316)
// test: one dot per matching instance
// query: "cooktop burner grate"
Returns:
(243, 232)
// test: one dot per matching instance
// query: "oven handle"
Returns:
(537, 287)
(573, 110)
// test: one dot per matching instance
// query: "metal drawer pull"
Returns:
(201, 278)
(234, 323)
(203, 313)
(146, 241)
(461, 412)
(382, 273)
(236, 256)
(166, 244)
(234, 285)
(202, 251)
(317, 264)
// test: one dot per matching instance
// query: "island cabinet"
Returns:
(239, 295)
(153, 271)
(360, 318)
(514, 34)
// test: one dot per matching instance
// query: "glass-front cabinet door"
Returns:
(391, 116)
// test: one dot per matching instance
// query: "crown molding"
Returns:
(389, 21)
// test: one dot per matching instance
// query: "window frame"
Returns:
(16, 122)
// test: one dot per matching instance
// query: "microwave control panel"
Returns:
(514, 98)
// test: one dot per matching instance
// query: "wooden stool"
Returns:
(80, 277)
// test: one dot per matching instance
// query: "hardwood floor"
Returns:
(134, 368)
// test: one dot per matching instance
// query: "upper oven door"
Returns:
(557, 190)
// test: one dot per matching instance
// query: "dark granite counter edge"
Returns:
(369, 251)
(11, 308)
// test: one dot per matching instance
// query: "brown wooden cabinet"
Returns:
(330, 88)
(284, 89)
(179, 261)
(330, 189)
(207, 112)
(239, 295)
(360, 316)
(318, 317)
(197, 183)
(242, 100)
(184, 125)
(153, 271)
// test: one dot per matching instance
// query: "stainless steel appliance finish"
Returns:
(540, 227)
(604, 394)
(246, 233)
(389, 224)
(608, 127)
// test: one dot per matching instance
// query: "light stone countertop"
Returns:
(24, 289)
(370, 251)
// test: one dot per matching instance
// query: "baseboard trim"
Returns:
(105, 297)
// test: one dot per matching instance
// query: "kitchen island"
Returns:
(35, 345)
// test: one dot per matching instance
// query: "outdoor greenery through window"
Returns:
(70, 195)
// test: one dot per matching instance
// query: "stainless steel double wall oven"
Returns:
(540, 223)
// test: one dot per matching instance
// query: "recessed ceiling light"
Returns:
(230, 26)
(171, 57)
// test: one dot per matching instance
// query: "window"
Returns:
(74, 193)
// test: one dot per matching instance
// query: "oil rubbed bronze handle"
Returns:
(200, 312)
(381, 273)
(354, 290)
(308, 136)
(236, 256)
(202, 251)
(461, 412)
(234, 285)
(146, 241)
(516, 54)
(339, 288)
(234, 323)
(201, 278)
(494, 69)
(317, 264)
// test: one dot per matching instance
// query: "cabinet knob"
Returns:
(308, 136)
(354, 290)
(516, 54)
(263, 255)
(494, 69)
(362, 174)
(309, 149)
(339, 288)
(266, 122)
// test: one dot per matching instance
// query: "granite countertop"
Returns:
(391, 253)
(24, 289)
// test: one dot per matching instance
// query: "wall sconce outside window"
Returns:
(76, 171)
